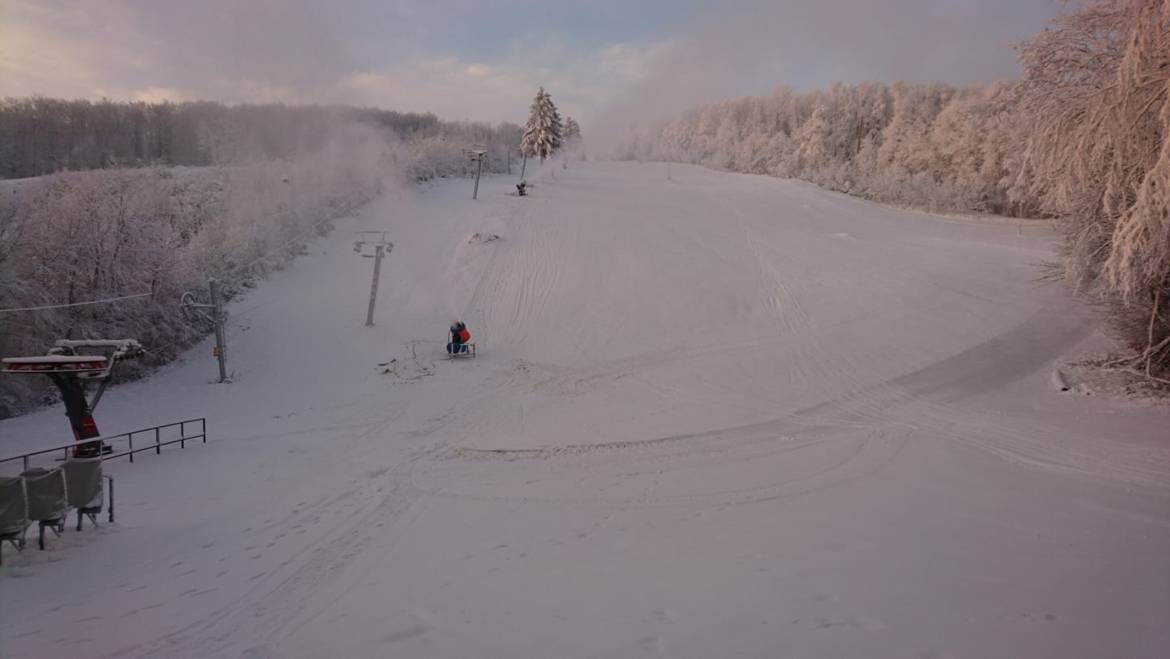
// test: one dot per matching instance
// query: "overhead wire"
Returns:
(77, 304)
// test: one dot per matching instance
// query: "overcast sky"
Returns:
(483, 59)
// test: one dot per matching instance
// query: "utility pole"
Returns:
(477, 155)
(382, 247)
(523, 166)
(478, 171)
(379, 251)
(218, 317)
(220, 335)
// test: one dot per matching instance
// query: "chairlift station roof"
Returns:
(53, 364)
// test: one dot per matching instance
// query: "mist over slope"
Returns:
(270, 179)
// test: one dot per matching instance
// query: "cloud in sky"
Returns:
(464, 59)
(807, 44)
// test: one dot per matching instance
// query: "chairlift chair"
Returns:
(85, 488)
(13, 514)
(47, 502)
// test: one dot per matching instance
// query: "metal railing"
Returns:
(156, 438)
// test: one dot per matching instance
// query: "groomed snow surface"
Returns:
(718, 416)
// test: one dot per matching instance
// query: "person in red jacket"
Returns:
(459, 338)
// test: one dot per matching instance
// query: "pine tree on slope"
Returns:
(542, 133)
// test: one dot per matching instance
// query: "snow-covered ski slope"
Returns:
(719, 416)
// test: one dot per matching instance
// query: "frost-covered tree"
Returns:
(572, 136)
(923, 145)
(543, 134)
(1096, 111)
(43, 135)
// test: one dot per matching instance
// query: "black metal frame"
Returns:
(93, 511)
(16, 539)
(129, 438)
(57, 526)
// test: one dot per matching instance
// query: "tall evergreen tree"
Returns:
(543, 132)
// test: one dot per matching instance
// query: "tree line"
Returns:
(1083, 137)
(45, 135)
(929, 145)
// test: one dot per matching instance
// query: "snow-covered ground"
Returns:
(711, 417)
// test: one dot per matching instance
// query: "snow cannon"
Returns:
(72, 372)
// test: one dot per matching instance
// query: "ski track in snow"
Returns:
(716, 416)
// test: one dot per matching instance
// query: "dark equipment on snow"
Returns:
(13, 514)
(85, 489)
(45, 496)
(47, 506)
(460, 344)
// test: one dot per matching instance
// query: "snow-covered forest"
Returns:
(79, 236)
(47, 135)
(1083, 137)
(928, 145)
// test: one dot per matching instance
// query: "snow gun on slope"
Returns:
(460, 344)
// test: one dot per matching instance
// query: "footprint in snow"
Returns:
(652, 644)
(860, 623)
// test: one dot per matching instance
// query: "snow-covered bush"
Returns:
(1096, 113)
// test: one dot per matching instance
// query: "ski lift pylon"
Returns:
(70, 372)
